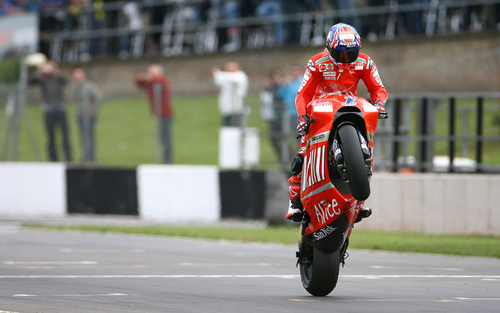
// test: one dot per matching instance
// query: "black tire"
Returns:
(320, 277)
(354, 162)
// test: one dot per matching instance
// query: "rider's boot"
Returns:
(296, 208)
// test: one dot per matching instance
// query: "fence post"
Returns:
(479, 134)
(451, 133)
(396, 143)
(422, 136)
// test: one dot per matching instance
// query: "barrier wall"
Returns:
(178, 193)
(33, 189)
(422, 203)
(435, 203)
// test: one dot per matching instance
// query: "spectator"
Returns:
(52, 85)
(288, 92)
(233, 84)
(158, 88)
(88, 99)
(98, 22)
(274, 11)
(273, 111)
(134, 28)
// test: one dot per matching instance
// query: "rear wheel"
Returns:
(354, 162)
(319, 276)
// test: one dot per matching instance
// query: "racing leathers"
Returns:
(323, 76)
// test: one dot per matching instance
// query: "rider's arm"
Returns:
(373, 82)
(307, 88)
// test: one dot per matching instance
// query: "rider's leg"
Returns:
(295, 210)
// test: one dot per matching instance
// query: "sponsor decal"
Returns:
(329, 74)
(376, 76)
(323, 106)
(330, 78)
(310, 65)
(352, 72)
(307, 75)
(325, 210)
(314, 171)
(370, 63)
(322, 233)
(326, 67)
(318, 138)
(358, 66)
(349, 101)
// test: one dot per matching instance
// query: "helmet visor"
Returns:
(345, 56)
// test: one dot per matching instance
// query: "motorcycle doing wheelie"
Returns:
(336, 175)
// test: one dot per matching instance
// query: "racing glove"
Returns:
(303, 125)
(382, 114)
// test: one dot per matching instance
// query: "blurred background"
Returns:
(439, 60)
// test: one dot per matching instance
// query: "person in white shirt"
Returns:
(233, 84)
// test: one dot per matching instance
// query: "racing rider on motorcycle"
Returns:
(339, 65)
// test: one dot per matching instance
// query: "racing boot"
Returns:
(296, 208)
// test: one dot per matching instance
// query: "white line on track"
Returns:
(78, 295)
(49, 263)
(230, 264)
(243, 276)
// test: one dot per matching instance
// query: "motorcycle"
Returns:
(336, 173)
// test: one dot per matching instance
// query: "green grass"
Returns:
(126, 131)
(391, 241)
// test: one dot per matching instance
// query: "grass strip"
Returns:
(485, 246)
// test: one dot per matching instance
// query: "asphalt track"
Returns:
(48, 271)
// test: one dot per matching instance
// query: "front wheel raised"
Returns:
(320, 277)
(354, 162)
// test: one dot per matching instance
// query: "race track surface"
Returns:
(49, 271)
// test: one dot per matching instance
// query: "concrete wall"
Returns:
(178, 193)
(456, 63)
(32, 189)
(435, 203)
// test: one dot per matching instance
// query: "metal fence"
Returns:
(182, 30)
(444, 132)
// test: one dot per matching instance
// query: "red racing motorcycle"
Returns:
(336, 175)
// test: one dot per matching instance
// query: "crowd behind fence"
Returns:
(79, 30)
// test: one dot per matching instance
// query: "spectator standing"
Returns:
(288, 92)
(88, 99)
(274, 112)
(158, 88)
(233, 84)
(134, 27)
(52, 84)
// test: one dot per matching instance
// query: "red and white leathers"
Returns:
(324, 76)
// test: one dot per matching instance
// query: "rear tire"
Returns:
(354, 162)
(320, 277)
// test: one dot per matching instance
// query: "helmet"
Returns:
(343, 43)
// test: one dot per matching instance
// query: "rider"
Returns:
(340, 64)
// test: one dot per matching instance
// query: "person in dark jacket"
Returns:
(52, 84)
(158, 88)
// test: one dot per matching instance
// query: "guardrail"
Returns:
(443, 132)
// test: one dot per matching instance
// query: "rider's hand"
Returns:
(382, 114)
(303, 125)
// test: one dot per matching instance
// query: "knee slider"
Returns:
(297, 163)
